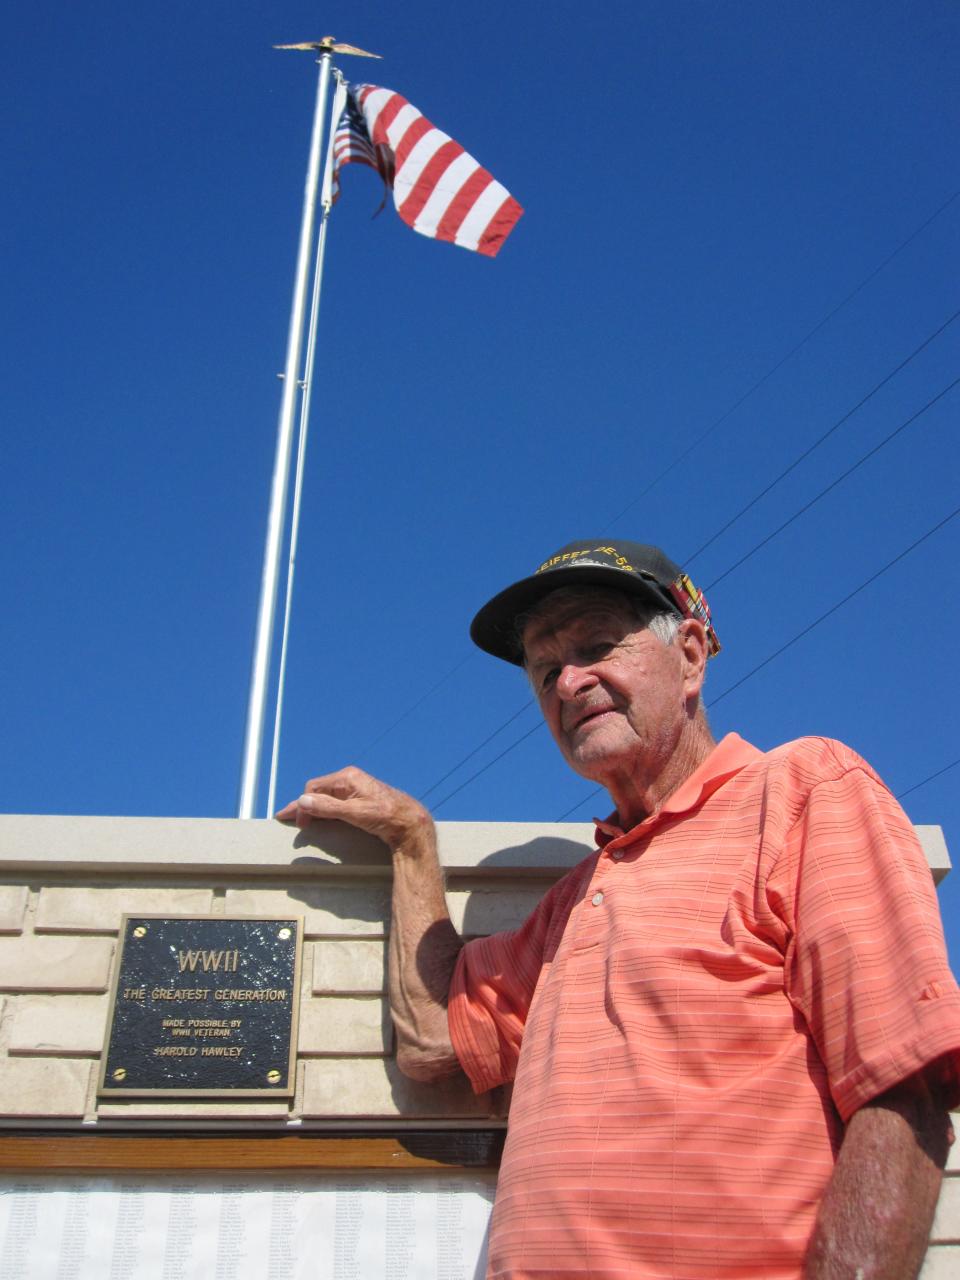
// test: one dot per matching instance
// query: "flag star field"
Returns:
(726, 324)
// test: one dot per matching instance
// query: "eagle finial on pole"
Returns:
(328, 45)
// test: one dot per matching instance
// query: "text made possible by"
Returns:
(202, 1022)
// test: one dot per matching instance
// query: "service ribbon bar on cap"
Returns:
(693, 603)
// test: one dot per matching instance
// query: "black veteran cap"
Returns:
(625, 566)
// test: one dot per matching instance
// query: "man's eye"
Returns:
(549, 679)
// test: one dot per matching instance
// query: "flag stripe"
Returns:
(468, 213)
(475, 227)
(438, 188)
(400, 123)
(446, 189)
(500, 226)
(420, 129)
(352, 149)
(420, 160)
(430, 186)
(379, 103)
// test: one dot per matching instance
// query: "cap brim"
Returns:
(494, 629)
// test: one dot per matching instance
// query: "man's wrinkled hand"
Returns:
(354, 797)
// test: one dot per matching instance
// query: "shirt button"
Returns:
(597, 899)
(618, 854)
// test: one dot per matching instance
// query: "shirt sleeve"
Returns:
(866, 965)
(494, 984)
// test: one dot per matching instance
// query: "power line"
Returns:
(833, 609)
(796, 462)
(780, 363)
(419, 702)
(796, 515)
(817, 443)
(471, 754)
(743, 679)
(579, 805)
(930, 777)
(755, 387)
(489, 765)
(806, 631)
(833, 484)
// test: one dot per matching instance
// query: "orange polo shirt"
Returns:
(693, 1012)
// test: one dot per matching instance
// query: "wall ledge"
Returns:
(53, 843)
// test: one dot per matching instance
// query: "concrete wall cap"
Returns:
(229, 846)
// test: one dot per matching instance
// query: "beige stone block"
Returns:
(341, 1088)
(934, 848)
(477, 912)
(58, 1025)
(345, 1027)
(13, 907)
(43, 1087)
(946, 1222)
(97, 909)
(183, 1109)
(953, 1159)
(55, 964)
(941, 1263)
(332, 911)
(349, 967)
(504, 848)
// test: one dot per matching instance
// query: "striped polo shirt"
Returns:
(692, 1013)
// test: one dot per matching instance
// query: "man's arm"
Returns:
(423, 942)
(875, 1217)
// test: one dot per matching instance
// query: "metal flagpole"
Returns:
(281, 468)
(266, 613)
(326, 202)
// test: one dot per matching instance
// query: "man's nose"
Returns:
(573, 680)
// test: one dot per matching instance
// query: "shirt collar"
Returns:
(725, 761)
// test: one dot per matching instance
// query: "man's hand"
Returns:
(352, 796)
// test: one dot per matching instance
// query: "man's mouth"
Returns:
(588, 714)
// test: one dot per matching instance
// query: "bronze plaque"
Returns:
(203, 1005)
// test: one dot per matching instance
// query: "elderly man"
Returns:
(732, 1029)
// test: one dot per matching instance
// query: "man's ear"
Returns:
(694, 650)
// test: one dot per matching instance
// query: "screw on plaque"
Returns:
(284, 933)
(120, 1073)
(273, 1077)
(140, 931)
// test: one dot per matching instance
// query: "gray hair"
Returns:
(665, 626)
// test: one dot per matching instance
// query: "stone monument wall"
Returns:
(65, 883)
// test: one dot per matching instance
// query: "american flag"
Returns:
(438, 189)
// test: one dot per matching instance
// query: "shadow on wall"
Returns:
(497, 892)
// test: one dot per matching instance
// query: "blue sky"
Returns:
(704, 184)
